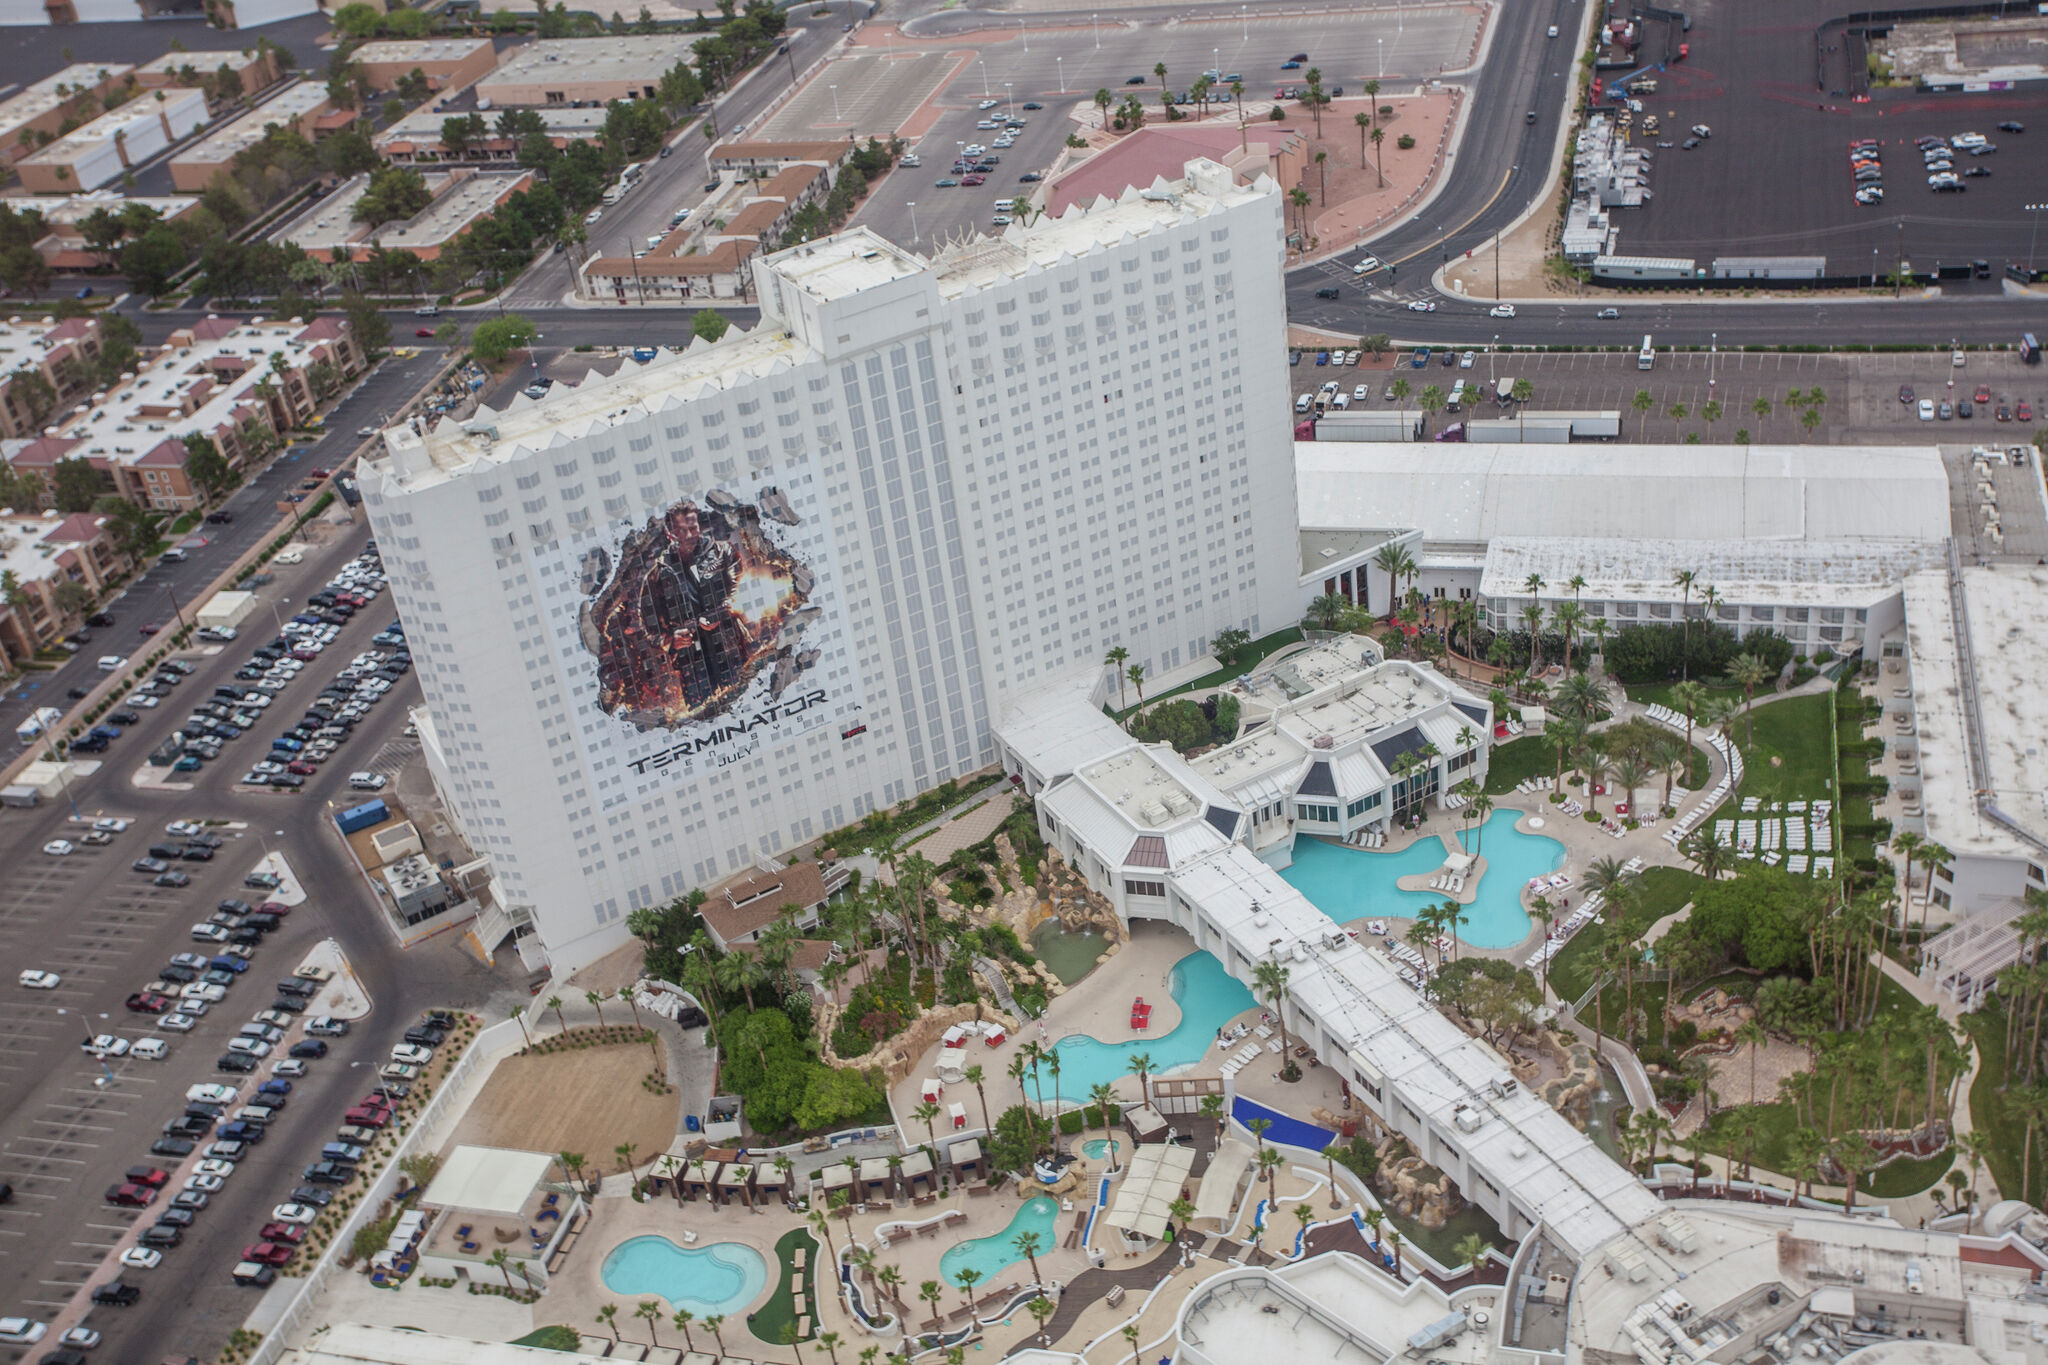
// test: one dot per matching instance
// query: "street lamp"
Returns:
(1442, 249)
(1025, 33)
(1095, 23)
(1010, 94)
(835, 102)
(1245, 23)
(983, 64)
(1713, 346)
(2036, 210)
(1061, 63)
(1380, 45)
(913, 222)
(1489, 359)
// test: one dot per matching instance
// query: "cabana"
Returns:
(1146, 1123)
(876, 1181)
(918, 1166)
(736, 1181)
(838, 1176)
(967, 1160)
(699, 1177)
(770, 1183)
(1458, 864)
(932, 1090)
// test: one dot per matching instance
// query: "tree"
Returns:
(649, 1312)
(608, 1316)
(1379, 155)
(1642, 403)
(1711, 412)
(75, 485)
(1677, 412)
(1269, 979)
(931, 1291)
(207, 467)
(1472, 1251)
(1229, 644)
(151, 262)
(709, 324)
(1028, 1245)
(394, 192)
(1299, 198)
(497, 338)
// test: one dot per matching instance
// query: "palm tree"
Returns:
(1752, 1035)
(715, 1322)
(555, 1004)
(891, 1281)
(1689, 697)
(1330, 1155)
(1471, 1251)
(1632, 773)
(1379, 154)
(1932, 856)
(650, 1312)
(1159, 70)
(927, 1112)
(1028, 1245)
(1642, 403)
(1323, 170)
(1567, 617)
(967, 1279)
(1052, 1067)
(1394, 1243)
(831, 1341)
(596, 999)
(974, 1077)
(1041, 1308)
(789, 1339)
(1670, 755)
(1103, 1095)
(1373, 1219)
(1142, 1064)
(1708, 852)
(931, 1291)
(1748, 672)
(1300, 199)
(1269, 980)
(1136, 673)
(1677, 412)
(1908, 844)
(1532, 621)
(1361, 120)
(1131, 1335)
(608, 1316)
(502, 1262)
(1114, 661)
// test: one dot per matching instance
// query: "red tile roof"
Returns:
(212, 329)
(323, 329)
(167, 453)
(44, 450)
(71, 329)
(76, 529)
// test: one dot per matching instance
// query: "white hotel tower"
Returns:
(675, 621)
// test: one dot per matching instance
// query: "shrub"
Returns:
(1405, 141)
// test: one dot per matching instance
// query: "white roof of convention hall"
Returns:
(356, 1343)
(2001, 612)
(51, 91)
(1522, 1146)
(1812, 572)
(1055, 729)
(1474, 493)
(524, 426)
(487, 1179)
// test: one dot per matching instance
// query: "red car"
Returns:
(273, 908)
(974, 180)
(367, 1116)
(147, 1175)
(144, 1002)
(2025, 412)
(130, 1196)
(291, 1234)
(301, 767)
(269, 1253)
(319, 473)
(422, 331)
(149, 628)
(1983, 393)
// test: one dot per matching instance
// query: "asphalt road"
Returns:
(156, 594)
(106, 930)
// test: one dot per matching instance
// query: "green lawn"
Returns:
(770, 1318)
(1253, 654)
(1797, 732)
(554, 1338)
(1519, 760)
(2003, 1131)
(1664, 890)
(1659, 694)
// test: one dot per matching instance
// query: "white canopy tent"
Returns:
(1156, 1176)
(1218, 1195)
(494, 1180)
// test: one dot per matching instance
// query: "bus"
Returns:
(1646, 358)
(2030, 349)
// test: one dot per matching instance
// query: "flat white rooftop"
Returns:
(1812, 572)
(573, 60)
(2002, 607)
(424, 124)
(52, 91)
(287, 107)
(418, 50)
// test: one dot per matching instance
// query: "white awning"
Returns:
(916, 1164)
(964, 1151)
(874, 1170)
(1458, 862)
(837, 1176)
(1146, 1195)
(487, 1180)
(1218, 1195)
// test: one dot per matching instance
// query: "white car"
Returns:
(60, 848)
(183, 829)
(301, 1214)
(291, 1068)
(22, 1331)
(110, 825)
(589, 220)
(411, 1054)
(106, 1045)
(151, 1050)
(1501, 310)
(1422, 306)
(204, 990)
(1466, 360)
(177, 1023)
(141, 699)
(41, 981)
(1927, 409)
(81, 1338)
(142, 1258)
(223, 1169)
(1361, 393)
(205, 1184)
(1366, 265)
(988, 104)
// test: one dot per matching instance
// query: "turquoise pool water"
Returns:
(1207, 995)
(991, 1255)
(721, 1278)
(1095, 1149)
(1349, 883)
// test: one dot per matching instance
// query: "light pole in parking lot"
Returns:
(835, 101)
(1025, 33)
(2036, 210)
(913, 222)
(1244, 21)
(982, 62)
(1713, 346)
(1010, 93)
(1380, 46)
(1095, 23)
(1491, 352)
(1442, 249)
(1061, 63)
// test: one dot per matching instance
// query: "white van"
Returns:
(1305, 402)
(366, 782)
(1457, 397)
(430, 311)
(1341, 402)
(1005, 205)
(112, 663)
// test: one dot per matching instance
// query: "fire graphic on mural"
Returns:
(702, 601)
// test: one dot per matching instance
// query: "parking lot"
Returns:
(1064, 67)
(68, 1127)
(1774, 178)
(1862, 392)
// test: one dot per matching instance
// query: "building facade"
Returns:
(675, 621)
(39, 555)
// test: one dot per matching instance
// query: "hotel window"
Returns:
(1463, 760)
(1158, 889)
(1325, 814)
(2034, 874)
(1625, 609)
(1363, 804)
(1763, 613)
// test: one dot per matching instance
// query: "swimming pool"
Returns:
(1348, 883)
(1207, 995)
(991, 1255)
(721, 1278)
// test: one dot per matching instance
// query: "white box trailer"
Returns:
(228, 607)
(1400, 425)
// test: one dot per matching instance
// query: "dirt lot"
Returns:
(586, 1100)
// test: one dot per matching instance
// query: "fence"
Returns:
(422, 1136)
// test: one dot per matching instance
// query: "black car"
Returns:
(174, 1218)
(172, 1146)
(205, 840)
(314, 1195)
(160, 1236)
(235, 1063)
(290, 781)
(200, 1109)
(298, 987)
(243, 1131)
(288, 1004)
(425, 1037)
(220, 518)
(1327, 293)
(115, 1294)
(247, 936)
(183, 1127)
(309, 1047)
(196, 853)
(329, 1173)
(99, 618)
(123, 717)
(178, 972)
(263, 921)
